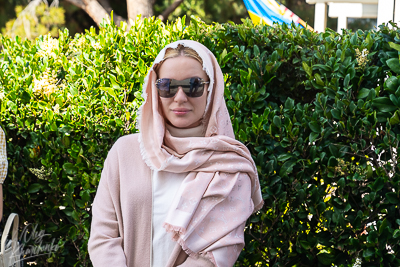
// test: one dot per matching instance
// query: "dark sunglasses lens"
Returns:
(163, 87)
(196, 88)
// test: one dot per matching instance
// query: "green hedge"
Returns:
(319, 112)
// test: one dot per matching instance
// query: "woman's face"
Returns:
(182, 111)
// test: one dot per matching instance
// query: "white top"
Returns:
(165, 186)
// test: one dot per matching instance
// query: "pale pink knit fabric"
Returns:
(222, 188)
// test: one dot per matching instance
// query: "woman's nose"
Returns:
(180, 95)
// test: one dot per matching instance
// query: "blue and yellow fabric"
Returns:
(269, 11)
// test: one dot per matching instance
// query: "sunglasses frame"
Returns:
(178, 83)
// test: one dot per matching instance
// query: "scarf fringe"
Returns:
(176, 236)
(187, 250)
(176, 230)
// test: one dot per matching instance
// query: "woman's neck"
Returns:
(188, 132)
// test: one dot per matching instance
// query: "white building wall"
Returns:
(320, 17)
(385, 11)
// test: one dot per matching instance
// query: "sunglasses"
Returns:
(192, 87)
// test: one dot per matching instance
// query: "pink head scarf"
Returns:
(221, 189)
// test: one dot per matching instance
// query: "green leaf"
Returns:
(72, 232)
(142, 66)
(394, 46)
(392, 197)
(73, 90)
(343, 55)
(321, 207)
(314, 126)
(346, 81)
(370, 172)
(331, 93)
(396, 234)
(353, 39)
(326, 259)
(383, 225)
(383, 104)
(80, 203)
(394, 100)
(323, 67)
(85, 195)
(313, 151)
(395, 119)
(313, 136)
(307, 68)
(341, 182)
(369, 41)
(334, 151)
(392, 83)
(270, 166)
(336, 114)
(33, 188)
(68, 211)
(274, 56)
(368, 253)
(305, 244)
(335, 217)
(318, 79)
(75, 215)
(277, 121)
(69, 168)
(394, 64)
(289, 103)
(363, 93)
(111, 92)
(223, 54)
(256, 51)
(287, 168)
(332, 162)
(284, 157)
(378, 184)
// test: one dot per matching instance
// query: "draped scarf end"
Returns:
(177, 232)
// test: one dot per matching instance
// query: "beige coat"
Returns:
(121, 224)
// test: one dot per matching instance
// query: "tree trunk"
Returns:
(97, 10)
(136, 7)
(101, 9)
(117, 19)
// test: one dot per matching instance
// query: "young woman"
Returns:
(179, 192)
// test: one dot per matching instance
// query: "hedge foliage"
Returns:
(319, 112)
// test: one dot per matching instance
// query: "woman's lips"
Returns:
(180, 111)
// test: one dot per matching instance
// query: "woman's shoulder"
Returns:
(127, 144)
(127, 140)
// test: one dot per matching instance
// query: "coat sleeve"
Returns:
(105, 242)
